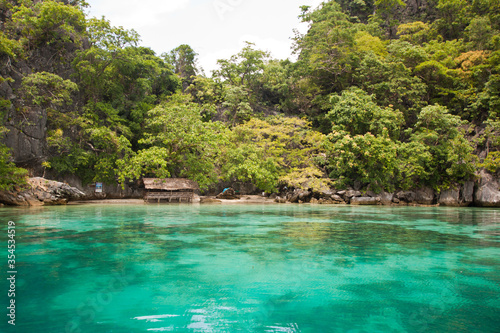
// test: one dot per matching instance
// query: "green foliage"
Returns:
(452, 158)
(183, 60)
(326, 51)
(10, 175)
(366, 158)
(416, 32)
(356, 113)
(243, 68)
(366, 43)
(48, 22)
(10, 47)
(275, 150)
(390, 86)
(179, 144)
(492, 162)
(47, 89)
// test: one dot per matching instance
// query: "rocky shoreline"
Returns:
(485, 192)
(40, 191)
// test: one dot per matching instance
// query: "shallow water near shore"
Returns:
(253, 268)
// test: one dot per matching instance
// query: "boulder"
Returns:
(407, 196)
(280, 200)
(365, 201)
(294, 198)
(304, 195)
(386, 198)
(336, 197)
(353, 193)
(487, 193)
(450, 197)
(424, 196)
(458, 196)
(467, 194)
(41, 191)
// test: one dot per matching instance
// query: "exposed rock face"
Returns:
(424, 196)
(407, 196)
(450, 197)
(458, 196)
(353, 193)
(26, 136)
(487, 193)
(365, 201)
(41, 192)
(386, 198)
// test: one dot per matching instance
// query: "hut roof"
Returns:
(170, 184)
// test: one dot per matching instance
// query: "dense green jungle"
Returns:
(385, 94)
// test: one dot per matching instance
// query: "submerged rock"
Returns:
(41, 191)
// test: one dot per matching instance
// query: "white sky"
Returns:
(215, 29)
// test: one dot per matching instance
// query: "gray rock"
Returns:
(294, 198)
(303, 195)
(365, 201)
(386, 198)
(468, 192)
(352, 193)
(450, 197)
(487, 193)
(371, 194)
(336, 197)
(407, 196)
(41, 191)
(424, 196)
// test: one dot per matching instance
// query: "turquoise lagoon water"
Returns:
(254, 268)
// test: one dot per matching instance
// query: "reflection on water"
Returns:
(251, 268)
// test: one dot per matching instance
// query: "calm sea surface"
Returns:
(252, 268)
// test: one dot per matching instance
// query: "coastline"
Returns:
(249, 199)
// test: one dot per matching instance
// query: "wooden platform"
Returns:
(168, 196)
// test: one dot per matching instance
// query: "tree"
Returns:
(242, 69)
(275, 151)
(183, 60)
(178, 143)
(356, 113)
(49, 22)
(326, 51)
(452, 158)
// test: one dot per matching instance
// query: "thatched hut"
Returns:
(169, 189)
